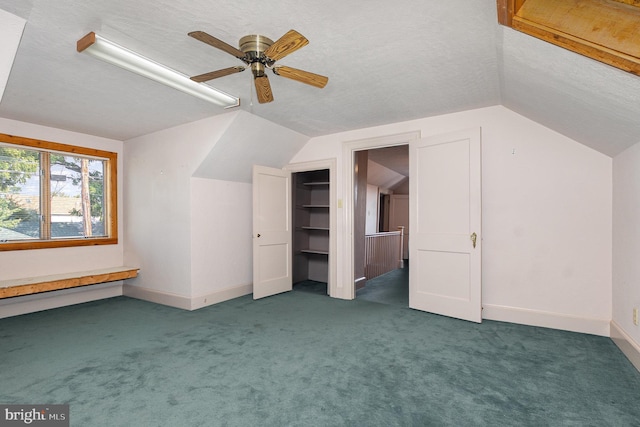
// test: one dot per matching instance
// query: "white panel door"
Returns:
(271, 231)
(445, 217)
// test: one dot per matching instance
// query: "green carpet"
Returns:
(302, 359)
(390, 288)
(313, 286)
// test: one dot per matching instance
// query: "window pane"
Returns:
(77, 197)
(19, 194)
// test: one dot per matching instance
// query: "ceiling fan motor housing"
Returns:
(254, 46)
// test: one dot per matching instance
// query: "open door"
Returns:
(271, 231)
(445, 217)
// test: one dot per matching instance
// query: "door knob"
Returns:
(474, 237)
(258, 235)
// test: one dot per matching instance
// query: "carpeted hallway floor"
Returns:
(303, 359)
(390, 288)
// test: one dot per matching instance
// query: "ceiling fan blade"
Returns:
(286, 44)
(216, 74)
(210, 40)
(302, 76)
(263, 89)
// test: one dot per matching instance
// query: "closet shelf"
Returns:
(311, 220)
(314, 251)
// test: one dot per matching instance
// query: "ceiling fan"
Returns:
(259, 53)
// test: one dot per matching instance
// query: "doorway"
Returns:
(381, 224)
(445, 216)
(350, 151)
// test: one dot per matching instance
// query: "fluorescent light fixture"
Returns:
(115, 54)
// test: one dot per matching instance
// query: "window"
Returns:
(56, 195)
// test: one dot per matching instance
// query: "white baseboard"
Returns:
(159, 297)
(186, 303)
(546, 319)
(629, 347)
(48, 300)
(221, 296)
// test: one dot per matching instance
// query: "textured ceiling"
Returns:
(386, 62)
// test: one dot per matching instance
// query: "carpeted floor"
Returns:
(390, 288)
(303, 359)
(312, 286)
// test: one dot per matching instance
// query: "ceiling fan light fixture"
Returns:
(113, 53)
(258, 53)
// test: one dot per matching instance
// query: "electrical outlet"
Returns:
(635, 316)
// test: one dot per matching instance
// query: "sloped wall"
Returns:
(157, 199)
(188, 206)
(221, 205)
(11, 28)
(247, 141)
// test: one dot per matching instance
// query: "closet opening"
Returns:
(311, 230)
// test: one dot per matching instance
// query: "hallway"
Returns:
(391, 288)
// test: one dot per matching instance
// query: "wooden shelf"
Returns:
(34, 285)
(311, 220)
(314, 251)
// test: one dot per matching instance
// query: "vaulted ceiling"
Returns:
(386, 62)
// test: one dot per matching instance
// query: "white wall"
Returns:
(189, 219)
(221, 237)
(158, 170)
(547, 217)
(371, 219)
(40, 262)
(402, 188)
(399, 216)
(626, 244)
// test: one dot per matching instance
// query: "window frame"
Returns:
(110, 190)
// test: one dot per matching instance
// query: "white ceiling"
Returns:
(386, 62)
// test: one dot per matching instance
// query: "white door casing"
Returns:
(445, 212)
(272, 257)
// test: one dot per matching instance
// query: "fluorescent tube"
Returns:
(115, 54)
